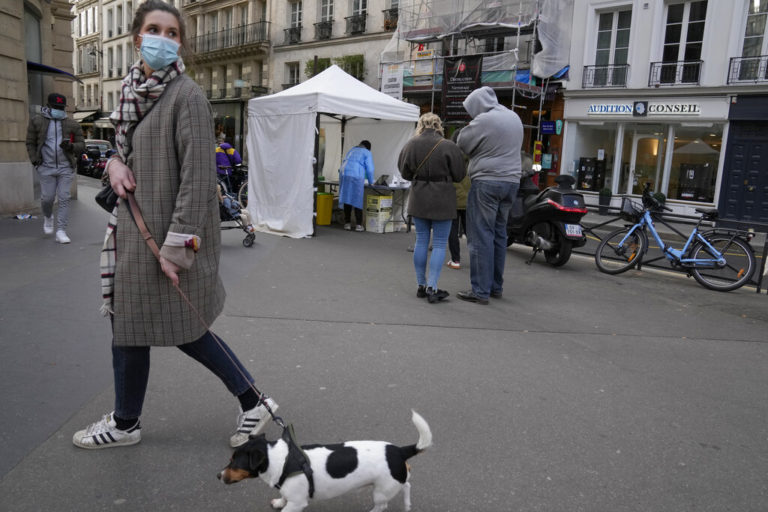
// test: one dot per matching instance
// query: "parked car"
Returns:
(96, 153)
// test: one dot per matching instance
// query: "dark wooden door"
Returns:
(744, 191)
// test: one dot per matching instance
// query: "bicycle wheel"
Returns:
(242, 195)
(614, 257)
(737, 270)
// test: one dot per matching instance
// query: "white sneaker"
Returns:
(105, 434)
(48, 225)
(359, 228)
(61, 237)
(252, 422)
(348, 226)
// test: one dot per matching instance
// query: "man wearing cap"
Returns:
(54, 142)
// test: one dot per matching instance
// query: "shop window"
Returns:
(693, 171)
(594, 165)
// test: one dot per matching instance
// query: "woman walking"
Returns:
(433, 164)
(165, 140)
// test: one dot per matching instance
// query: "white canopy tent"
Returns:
(281, 140)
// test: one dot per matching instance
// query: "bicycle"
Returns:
(720, 260)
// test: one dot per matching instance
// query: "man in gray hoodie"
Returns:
(492, 140)
(54, 142)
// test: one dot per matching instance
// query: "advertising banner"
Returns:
(392, 81)
(461, 76)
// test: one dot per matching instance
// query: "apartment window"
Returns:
(119, 19)
(229, 15)
(359, 6)
(753, 64)
(244, 15)
(683, 39)
(111, 102)
(119, 60)
(612, 49)
(213, 22)
(296, 8)
(326, 10)
(128, 15)
(110, 61)
(109, 22)
(291, 73)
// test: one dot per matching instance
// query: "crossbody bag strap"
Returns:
(427, 157)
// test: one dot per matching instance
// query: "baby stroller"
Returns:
(232, 213)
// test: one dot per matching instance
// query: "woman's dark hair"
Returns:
(366, 144)
(159, 5)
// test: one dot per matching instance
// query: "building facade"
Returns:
(36, 60)
(651, 98)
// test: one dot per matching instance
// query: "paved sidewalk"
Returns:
(577, 391)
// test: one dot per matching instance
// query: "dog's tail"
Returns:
(425, 437)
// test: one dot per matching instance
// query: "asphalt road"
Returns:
(577, 391)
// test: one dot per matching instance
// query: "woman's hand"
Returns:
(171, 270)
(120, 177)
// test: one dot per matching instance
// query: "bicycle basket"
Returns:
(630, 210)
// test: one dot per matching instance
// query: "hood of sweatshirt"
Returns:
(480, 100)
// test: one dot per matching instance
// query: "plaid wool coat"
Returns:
(173, 160)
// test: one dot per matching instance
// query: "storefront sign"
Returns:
(548, 127)
(644, 109)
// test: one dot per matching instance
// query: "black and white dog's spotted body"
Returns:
(336, 468)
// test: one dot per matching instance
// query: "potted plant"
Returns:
(604, 200)
(660, 197)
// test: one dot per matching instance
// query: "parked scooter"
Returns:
(549, 221)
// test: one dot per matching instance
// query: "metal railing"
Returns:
(686, 72)
(324, 29)
(614, 75)
(292, 35)
(356, 23)
(390, 19)
(231, 37)
(748, 70)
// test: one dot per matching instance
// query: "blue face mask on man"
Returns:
(57, 114)
(158, 51)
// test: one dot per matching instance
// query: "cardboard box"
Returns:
(379, 223)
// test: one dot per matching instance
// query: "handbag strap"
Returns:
(428, 155)
(135, 211)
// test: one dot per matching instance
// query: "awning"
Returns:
(103, 122)
(83, 115)
(34, 67)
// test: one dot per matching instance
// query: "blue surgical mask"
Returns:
(158, 51)
(58, 114)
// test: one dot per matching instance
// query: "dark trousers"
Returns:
(131, 369)
(348, 215)
(458, 226)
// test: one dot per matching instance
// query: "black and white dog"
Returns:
(336, 468)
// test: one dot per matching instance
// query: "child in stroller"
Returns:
(230, 211)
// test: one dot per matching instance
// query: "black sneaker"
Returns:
(421, 292)
(436, 295)
(470, 296)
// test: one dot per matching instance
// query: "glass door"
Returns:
(646, 162)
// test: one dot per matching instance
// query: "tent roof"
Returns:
(334, 92)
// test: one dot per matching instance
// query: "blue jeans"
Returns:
(131, 368)
(439, 230)
(488, 206)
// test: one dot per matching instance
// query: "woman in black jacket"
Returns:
(432, 164)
